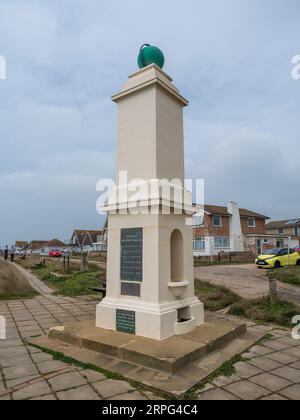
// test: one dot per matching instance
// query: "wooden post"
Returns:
(66, 263)
(273, 290)
(84, 262)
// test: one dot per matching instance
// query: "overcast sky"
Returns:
(65, 58)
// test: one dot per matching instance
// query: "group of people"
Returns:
(10, 253)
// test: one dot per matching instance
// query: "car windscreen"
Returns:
(273, 251)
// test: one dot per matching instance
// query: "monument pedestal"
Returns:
(164, 303)
(172, 366)
(150, 275)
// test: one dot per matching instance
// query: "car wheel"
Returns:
(277, 264)
(298, 262)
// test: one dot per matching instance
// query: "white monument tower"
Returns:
(150, 276)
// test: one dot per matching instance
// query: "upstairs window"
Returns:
(251, 222)
(198, 220)
(296, 231)
(217, 221)
(280, 231)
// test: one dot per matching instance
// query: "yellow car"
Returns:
(276, 258)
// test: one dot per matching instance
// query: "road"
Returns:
(245, 280)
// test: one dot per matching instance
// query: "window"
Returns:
(199, 244)
(221, 242)
(251, 222)
(266, 241)
(198, 220)
(296, 231)
(280, 231)
(217, 221)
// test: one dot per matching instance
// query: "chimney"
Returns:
(235, 228)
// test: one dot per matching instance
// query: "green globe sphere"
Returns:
(150, 55)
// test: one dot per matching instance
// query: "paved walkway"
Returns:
(34, 281)
(269, 371)
(245, 280)
(27, 373)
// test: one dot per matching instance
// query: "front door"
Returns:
(258, 246)
(279, 243)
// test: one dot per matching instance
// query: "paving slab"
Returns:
(264, 364)
(292, 392)
(245, 370)
(67, 381)
(282, 357)
(271, 382)
(288, 373)
(216, 395)
(31, 391)
(131, 396)
(50, 366)
(20, 371)
(111, 388)
(82, 393)
(247, 390)
(274, 397)
(92, 376)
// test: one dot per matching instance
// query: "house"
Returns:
(36, 246)
(287, 232)
(21, 245)
(53, 245)
(228, 229)
(44, 247)
(87, 240)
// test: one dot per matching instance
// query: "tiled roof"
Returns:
(281, 224)
(55, 243)
(222, 210)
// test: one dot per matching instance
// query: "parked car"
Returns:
(297, 249)
(55, 254)
(278, 257)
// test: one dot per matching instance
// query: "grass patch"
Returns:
(214, 297)
(13, 285)
(290, 275)
(73, 284)
(263, 310)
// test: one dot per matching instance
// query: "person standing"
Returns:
(6, 253)
(12, 254)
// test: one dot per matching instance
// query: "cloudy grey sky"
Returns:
(65, 58)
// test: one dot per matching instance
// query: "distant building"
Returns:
(53, 245)
(44, 247)
(36, 246)
(228, 229)
(21, 245)
(286, 231)
(88, 240)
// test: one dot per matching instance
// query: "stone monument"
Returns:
(150, 276)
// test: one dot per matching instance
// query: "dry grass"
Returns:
(12, 284)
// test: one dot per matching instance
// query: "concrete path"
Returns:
(245, 280)
(27, 373)
(34, 281)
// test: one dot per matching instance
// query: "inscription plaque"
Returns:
(125, 321)
(132, 254)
